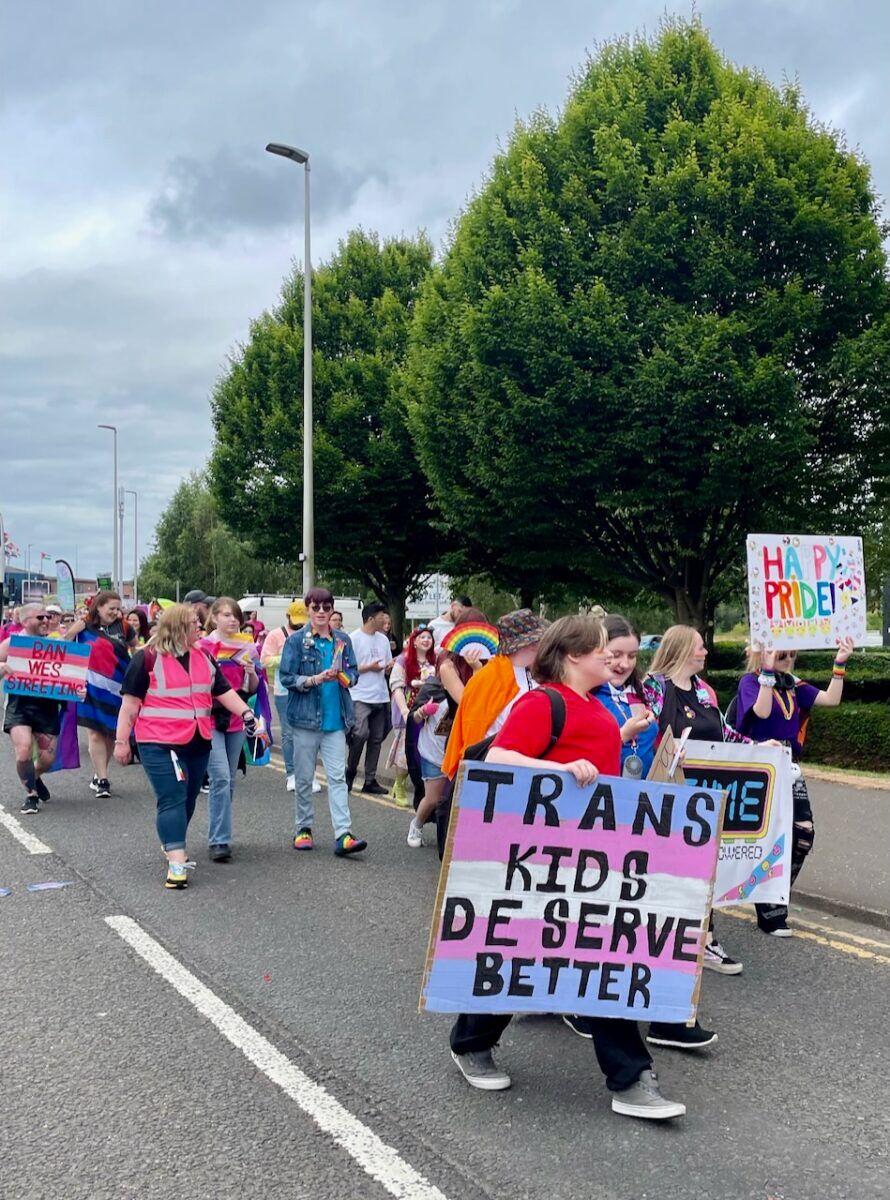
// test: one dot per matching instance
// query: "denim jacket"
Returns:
(300, 660)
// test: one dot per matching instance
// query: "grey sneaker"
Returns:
(480, 1071)
(643, 1099)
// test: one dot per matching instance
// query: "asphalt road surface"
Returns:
(258, 1035)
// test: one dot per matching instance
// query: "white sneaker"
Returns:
(291, 783)
(415, 835)
(316, 786)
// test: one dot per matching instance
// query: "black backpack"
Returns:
(477, 752)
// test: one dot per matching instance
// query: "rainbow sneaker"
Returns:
(347, 843)
(177, 876)
(303, 840)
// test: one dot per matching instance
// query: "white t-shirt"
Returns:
(372, 687)
(439, 628)
(431, 745)
(525, 683)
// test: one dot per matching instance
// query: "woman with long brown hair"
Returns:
(236, 656)
(571, 662)
(104, 631)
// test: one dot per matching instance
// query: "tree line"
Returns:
(661, 323)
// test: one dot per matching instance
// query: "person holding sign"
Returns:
(773, 702)
(168, 695)
(571, 661)
(680, 700)
(30, 719)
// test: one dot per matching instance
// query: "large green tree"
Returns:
(654, 331)
(195, 548)
(372, 514)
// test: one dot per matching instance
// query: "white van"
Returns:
(272, 609)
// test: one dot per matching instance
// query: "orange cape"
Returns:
(487, 693)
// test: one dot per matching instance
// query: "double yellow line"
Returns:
(835, 939)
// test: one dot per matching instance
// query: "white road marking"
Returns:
(373, 1155)
(32, 844)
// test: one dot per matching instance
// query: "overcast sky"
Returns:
(144, 226)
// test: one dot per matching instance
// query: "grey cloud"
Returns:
(202, 199)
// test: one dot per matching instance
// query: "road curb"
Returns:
(827, 775)
(842, 908)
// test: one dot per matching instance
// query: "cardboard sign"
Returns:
(46, 668)
(755, 844)
(805, 593)
(665, 754)
(558, 898)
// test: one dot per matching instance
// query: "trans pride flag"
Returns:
(558, 898)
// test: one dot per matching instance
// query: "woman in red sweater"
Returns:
(572, 660)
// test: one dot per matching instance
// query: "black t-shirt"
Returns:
(683, 710)
(137, 679)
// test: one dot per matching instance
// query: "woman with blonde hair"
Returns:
(774, 703)
(680, 699)
(167, 699)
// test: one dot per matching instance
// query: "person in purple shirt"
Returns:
(774, 703)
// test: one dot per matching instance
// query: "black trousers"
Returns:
(774, 916)
(620, 1051)
(372, 724)
(412, 732)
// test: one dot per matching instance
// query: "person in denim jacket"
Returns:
(318, 668)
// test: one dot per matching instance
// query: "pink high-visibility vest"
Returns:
(178, 702)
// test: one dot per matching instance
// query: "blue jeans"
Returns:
(224, 753)
(176, 800)
(287, 734)
(308, 744)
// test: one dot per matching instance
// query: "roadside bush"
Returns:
(854, 735)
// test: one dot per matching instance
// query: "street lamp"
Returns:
(115, 568)
(135, 495)
(28, 568)
(301, 158)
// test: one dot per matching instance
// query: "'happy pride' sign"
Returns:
(804, 592)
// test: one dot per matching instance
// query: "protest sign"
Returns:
(560, 898)
(755, 844)
(804, 593)
(46, 668)
(103, 583)
(666, 766)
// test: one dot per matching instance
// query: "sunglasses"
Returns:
(41, 616)
(324, 606)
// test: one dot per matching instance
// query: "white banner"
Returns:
(805, 593)
(755, 845)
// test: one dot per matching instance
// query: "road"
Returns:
(271, 1045)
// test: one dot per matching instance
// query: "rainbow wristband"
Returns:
(838, 671)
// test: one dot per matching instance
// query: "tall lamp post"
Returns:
(301, 158)
(135, 495)
(115, 568)
(28, 567)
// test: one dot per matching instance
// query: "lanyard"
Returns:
(619, 698)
